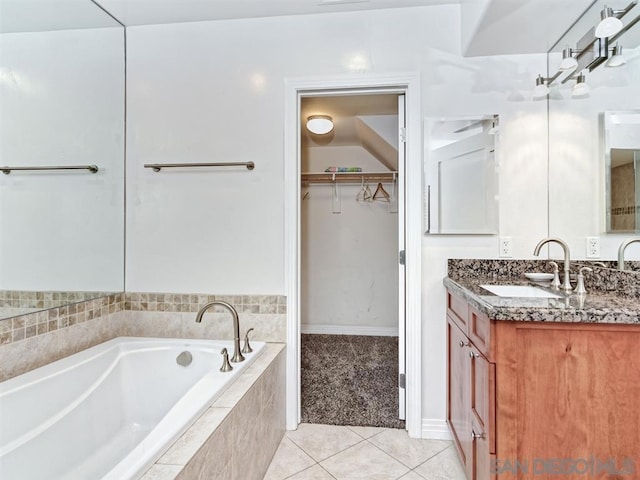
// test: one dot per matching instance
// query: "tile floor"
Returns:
(329, 452)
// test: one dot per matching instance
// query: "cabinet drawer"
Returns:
(479, 331)
(458, 311)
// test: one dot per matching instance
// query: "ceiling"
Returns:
(508, 27)
(46, 15)
(488, 27)
(147, 12)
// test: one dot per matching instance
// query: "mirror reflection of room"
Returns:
(62, 222)
(461, 175)
(586, 198)
(624, 193)
(621, 139)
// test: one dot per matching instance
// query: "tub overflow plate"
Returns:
(184, 359)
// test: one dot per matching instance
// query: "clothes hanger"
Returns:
(381, 190)
(361, 196)
(368, 196)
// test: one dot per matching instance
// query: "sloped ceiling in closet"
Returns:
(369, 121)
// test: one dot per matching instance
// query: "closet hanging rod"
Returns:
(348, 177)
(91, 168)
(159, 166)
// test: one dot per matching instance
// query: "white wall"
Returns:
(214, 91)
(576, 155)
(349, 260)
(62, 96)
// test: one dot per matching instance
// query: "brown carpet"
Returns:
(350, 380)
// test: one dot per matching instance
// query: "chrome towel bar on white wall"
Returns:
(91, 168)
(159, 166)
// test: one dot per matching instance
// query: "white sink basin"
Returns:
(519, 291)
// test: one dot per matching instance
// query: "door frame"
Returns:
(409, 85)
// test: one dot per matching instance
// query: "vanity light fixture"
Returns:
(568, 61)
(541, 90)
(611, 23)
(592, 50)
(616, 60)
(580, 89)
(319, 124)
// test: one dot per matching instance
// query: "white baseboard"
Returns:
(435, 429)
(350, 330)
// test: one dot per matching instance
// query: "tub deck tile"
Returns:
(237, 436)
(162, 472)
(187, 445)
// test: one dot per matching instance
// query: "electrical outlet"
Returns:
(593, 247)
(504, 247)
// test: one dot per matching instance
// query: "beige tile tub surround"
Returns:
(45, 299)
(173, 315)
(191, 302)
(36, 339)
(41, 322)
(238, 435)
(31, 341)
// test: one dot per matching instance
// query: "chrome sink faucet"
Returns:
(237, 355)
(622, 248)
(566, 284)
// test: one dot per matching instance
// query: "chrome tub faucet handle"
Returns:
(247, 348)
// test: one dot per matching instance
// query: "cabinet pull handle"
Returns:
(463, 344)
(473, 354)
(475, 435)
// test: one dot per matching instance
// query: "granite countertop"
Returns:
(594, 307)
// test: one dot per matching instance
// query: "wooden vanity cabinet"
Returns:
(471, 388)
(543, 400)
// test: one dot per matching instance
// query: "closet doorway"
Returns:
(410, 332)
(351, 279)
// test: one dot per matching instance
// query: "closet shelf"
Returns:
(347, 177)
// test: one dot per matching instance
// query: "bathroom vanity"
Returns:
(543, 387)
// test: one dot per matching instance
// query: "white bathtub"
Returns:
(108, 412)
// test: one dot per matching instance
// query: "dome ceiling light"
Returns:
(319, 124)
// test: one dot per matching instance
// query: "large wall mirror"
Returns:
(579, 158)
(461, 175)
(61, 104)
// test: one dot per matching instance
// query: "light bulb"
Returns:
(540, 90)
(610, 24)
(580, 89)
(617, 59)
(568, 62)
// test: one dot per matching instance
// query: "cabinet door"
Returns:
(482, 412)
(459, 395)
